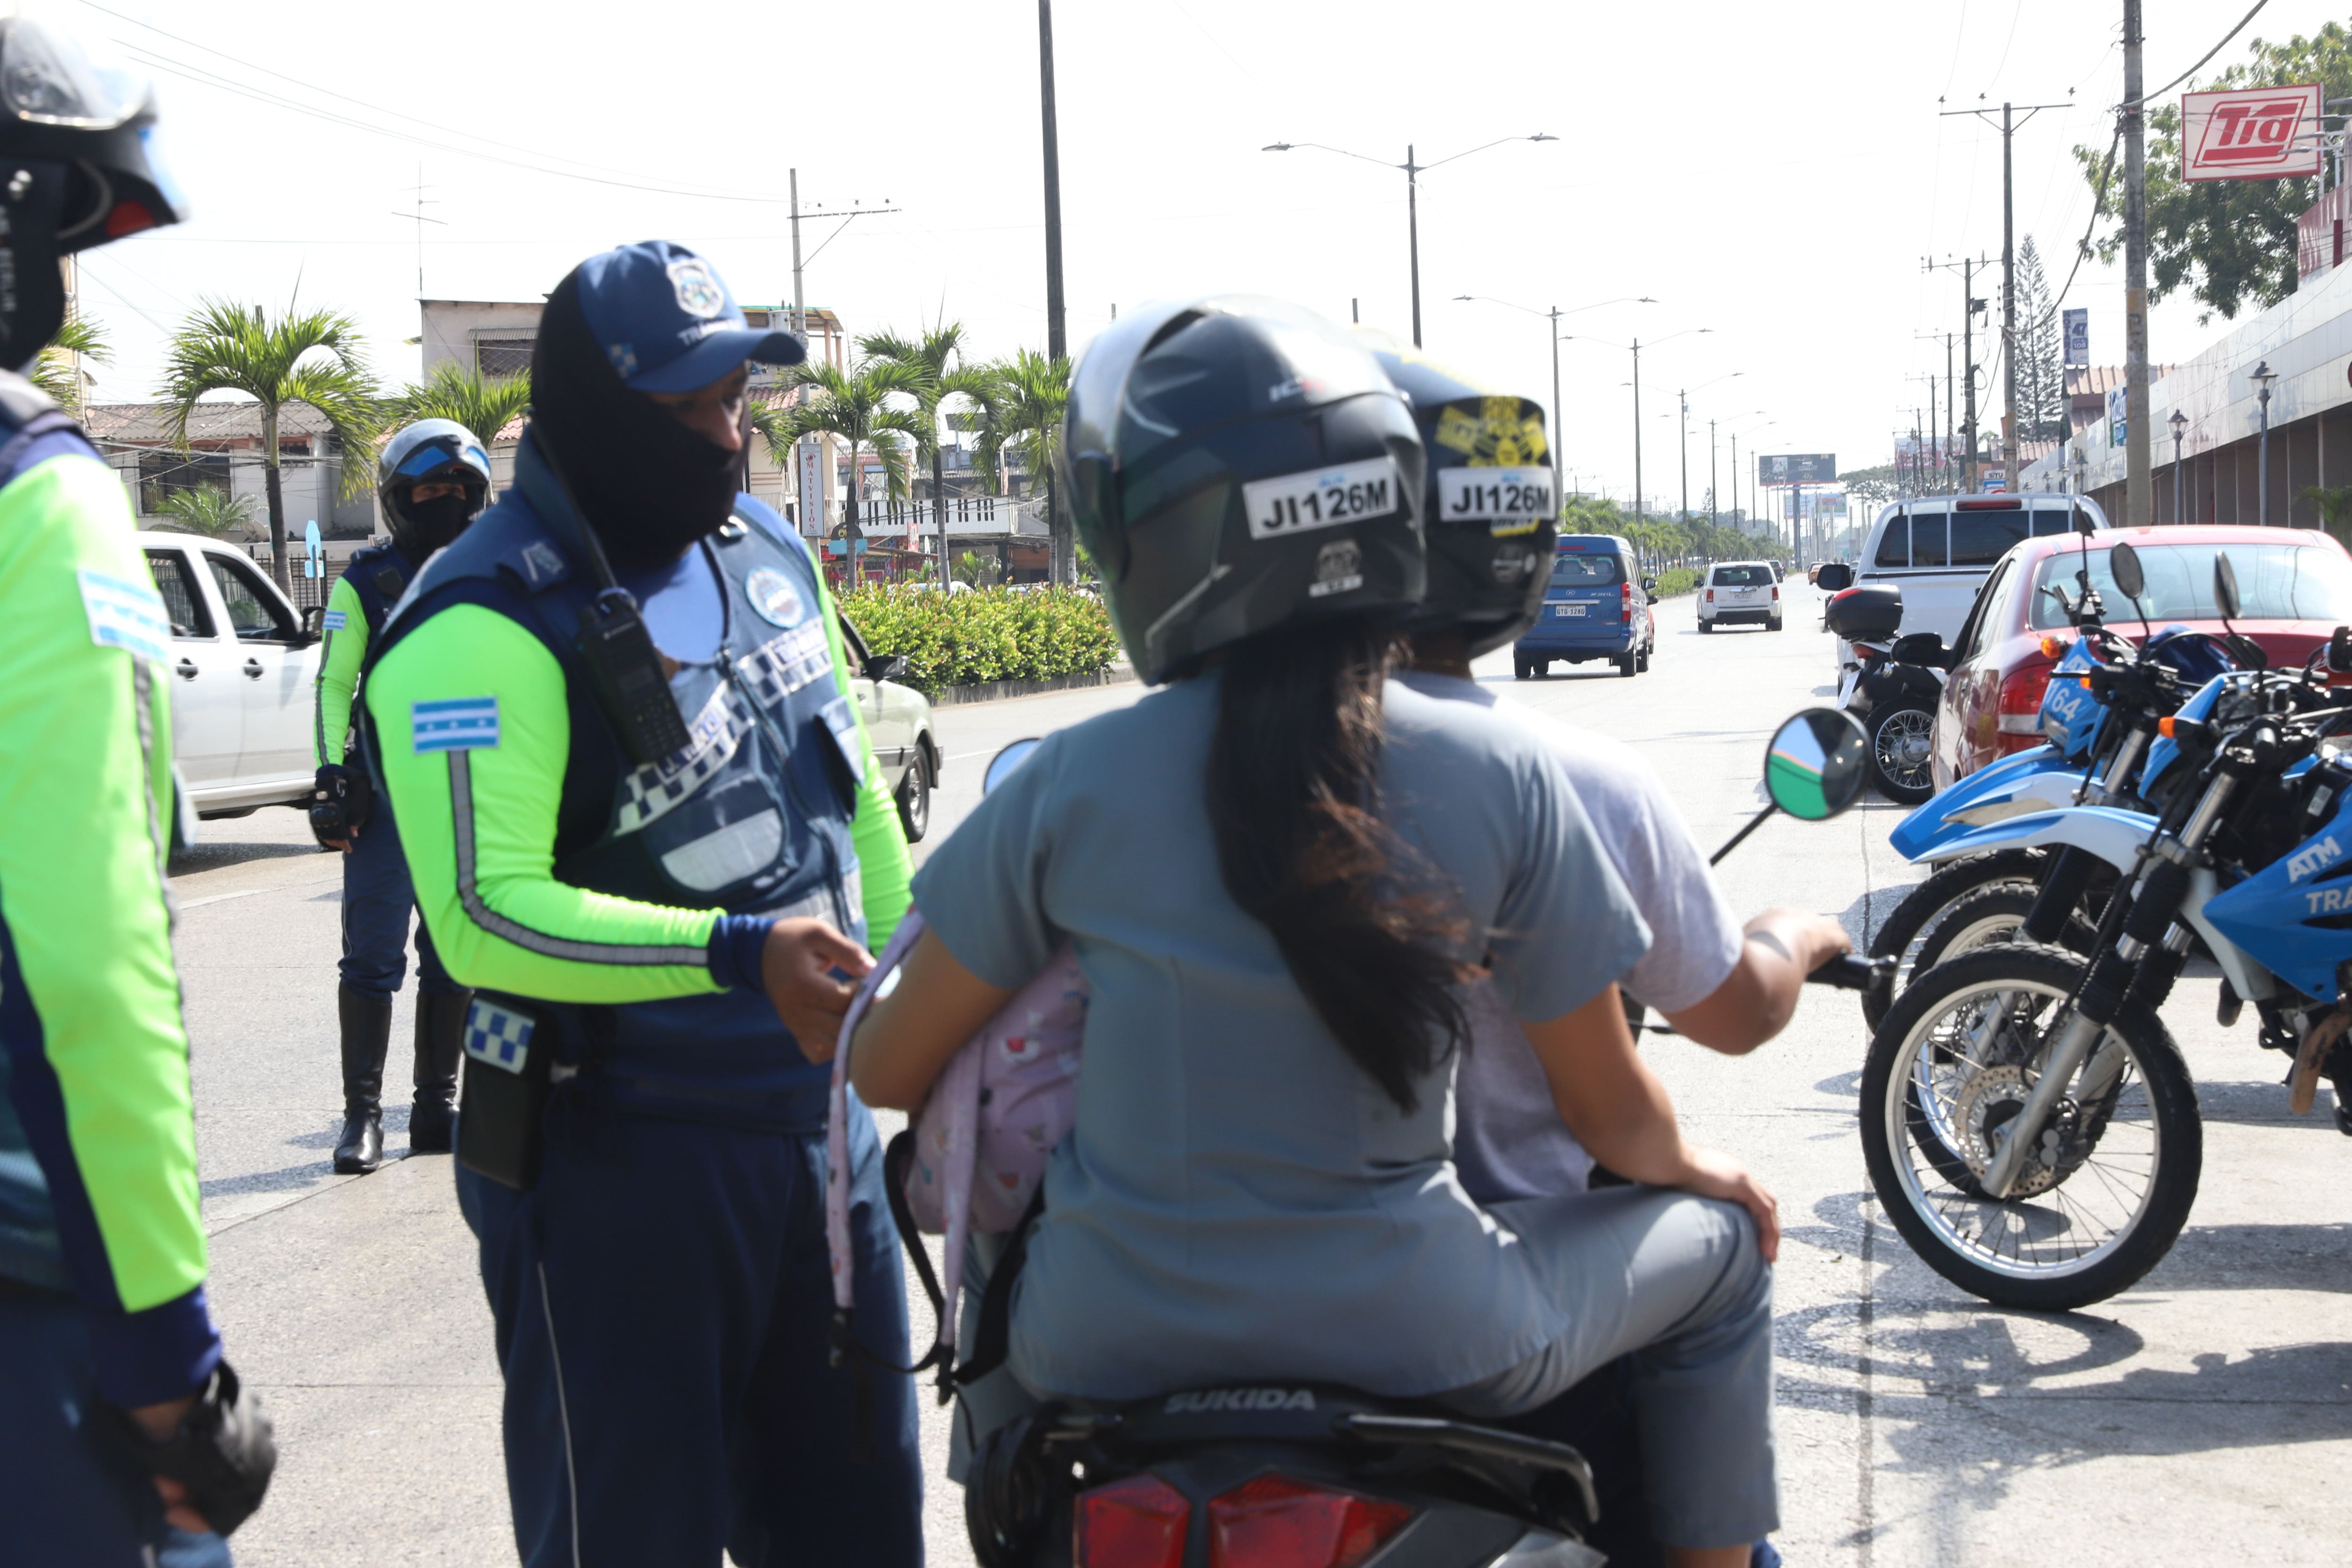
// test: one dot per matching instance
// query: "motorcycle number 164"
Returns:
(1295, 503)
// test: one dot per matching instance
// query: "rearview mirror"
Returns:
(2339, 650)
(1835, 576)
(886, 666)
(1649, 584)
(1814, 767)
(1001, 766)
(311, 621)
(1922, 648)
(2225, 588)
(2123, 565)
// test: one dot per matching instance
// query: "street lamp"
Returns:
(1682, 395)
(1412, 172)
(2180, 428)
(1554, 314)
(2263, 375)
(1636, 347)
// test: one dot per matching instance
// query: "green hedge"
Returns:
(1677, 580)
(990, 634)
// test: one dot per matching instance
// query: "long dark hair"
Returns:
(1293, 781)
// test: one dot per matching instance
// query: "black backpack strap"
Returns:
(994, 1339)
(895, 1161)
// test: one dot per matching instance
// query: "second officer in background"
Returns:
(435, 476)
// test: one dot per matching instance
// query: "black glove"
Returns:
(221, 1452)
(340, 802)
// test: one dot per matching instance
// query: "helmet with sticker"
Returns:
(79, 167)
(1234, 465)
(1491, 516)
(431, 451)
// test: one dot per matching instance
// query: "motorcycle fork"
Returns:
(2106, 789)
(2099, 997)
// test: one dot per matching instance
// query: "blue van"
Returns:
(1597, 606)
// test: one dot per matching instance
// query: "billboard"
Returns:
(2115, 421)
(812, 489)
(1808, 469)
(2078, 336)
(2251, 133)
(1822, 505)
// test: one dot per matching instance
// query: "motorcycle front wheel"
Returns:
(1901, 747)
(1904, 934)
(2102, 1199)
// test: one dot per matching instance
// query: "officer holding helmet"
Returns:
(124, 1438)
(435, 476)
(645, 823)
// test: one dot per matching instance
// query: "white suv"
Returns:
(1740, 590)
(243, 665)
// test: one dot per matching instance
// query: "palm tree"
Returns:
(207, 509)
(854, 406)
(484, 405)
(930, 355)
(1022, 409)
(56, 373)
(313, 356)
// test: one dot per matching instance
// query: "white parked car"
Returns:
(898, 722)
(245, 665)
(1741, 592)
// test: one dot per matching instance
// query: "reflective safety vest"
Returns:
(753, 817)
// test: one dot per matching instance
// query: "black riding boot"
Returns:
(367, 1036)
(440, 1042)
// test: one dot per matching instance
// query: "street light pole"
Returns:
(1714, 500)
(1056, 341)
(1558, 418)
(1637, 430)
(2180, 428)
(1683, 398)
(1413, 170)
(2262, 375)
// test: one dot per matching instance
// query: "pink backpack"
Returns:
(976, 1156)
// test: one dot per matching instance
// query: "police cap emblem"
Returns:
(699, 293)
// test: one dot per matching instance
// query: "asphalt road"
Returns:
(2205, 1417)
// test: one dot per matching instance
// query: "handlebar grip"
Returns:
(1852, 971)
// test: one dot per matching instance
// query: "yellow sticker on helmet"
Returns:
(1504, 432)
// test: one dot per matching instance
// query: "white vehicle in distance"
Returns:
(1740, 593)
(1940, 549)
(243, 665)
(899, 722)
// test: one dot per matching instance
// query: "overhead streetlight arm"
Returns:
(1319, 147)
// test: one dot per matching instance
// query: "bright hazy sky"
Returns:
(1775, 173)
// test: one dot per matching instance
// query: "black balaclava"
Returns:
(434, 523)
(649, 486)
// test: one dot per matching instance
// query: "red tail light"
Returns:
(1625, 603)
(1776, 592)
(1276, 1523)
(2020, 699)
(1710, 596)
(1135, 1523)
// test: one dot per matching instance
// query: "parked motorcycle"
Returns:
(1312, 1475)
(1893, 690)
(2027, 1120)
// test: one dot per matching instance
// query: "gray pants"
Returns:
(1675, 1280)
(1678, 1283)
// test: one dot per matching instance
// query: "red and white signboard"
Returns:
(2251, 134)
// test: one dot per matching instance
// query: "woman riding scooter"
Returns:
(1277, 876)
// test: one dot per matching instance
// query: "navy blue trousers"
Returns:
(663, 1302)
(378, 906)
(67, 1501)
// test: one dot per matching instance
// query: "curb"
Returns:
(997, 690)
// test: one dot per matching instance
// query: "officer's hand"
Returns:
(800, 966)
(157, 1423)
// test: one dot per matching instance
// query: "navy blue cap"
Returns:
(666, 321)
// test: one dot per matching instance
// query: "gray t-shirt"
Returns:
(1508, 1142)
(1238, 1200)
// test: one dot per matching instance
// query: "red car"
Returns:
(2296, 585)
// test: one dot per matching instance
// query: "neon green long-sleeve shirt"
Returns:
(480, 827)
(346, 645)
(95, 1053)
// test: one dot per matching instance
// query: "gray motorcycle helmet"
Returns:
(1489, 511)
(1236, 464)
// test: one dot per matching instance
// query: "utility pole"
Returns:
(2139, 486)
(799, 307)
(1637, 429)
(1714, 498)
(1057, 343)
(1683, 398)
(1948, 453)
(2010, 125)
(1969, 305)
(1559, 496)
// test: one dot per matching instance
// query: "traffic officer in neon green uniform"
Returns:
(433, 478)
(124, 1436)
(645, 823)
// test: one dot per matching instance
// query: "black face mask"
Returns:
(32, 293)
(649, 486)
(430, 525)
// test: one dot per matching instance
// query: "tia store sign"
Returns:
(2256, 134)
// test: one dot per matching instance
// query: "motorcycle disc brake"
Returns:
(1991, 1097)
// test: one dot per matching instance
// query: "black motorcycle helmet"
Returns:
(1491, 516)
(77, 168)
(1236, 464)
